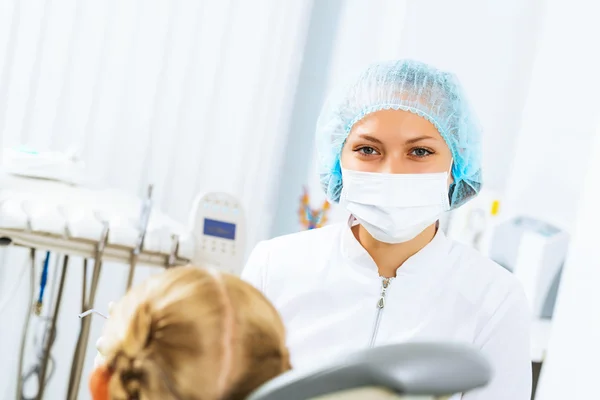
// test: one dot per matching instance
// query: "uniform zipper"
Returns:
(385, 284)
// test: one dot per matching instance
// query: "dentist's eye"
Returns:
(367, 151)
(421, 152)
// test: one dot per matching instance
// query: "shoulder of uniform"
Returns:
(298, 253)
(313, 237)
(483, 280)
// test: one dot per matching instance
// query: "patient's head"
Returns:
(191, 333)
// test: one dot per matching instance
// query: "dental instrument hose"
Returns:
(43, 281)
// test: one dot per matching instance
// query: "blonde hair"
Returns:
(191, 333)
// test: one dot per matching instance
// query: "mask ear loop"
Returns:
(351, 219)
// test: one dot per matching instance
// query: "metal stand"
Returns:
(84, 333)
(132, 263)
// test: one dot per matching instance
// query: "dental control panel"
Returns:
(218, 221)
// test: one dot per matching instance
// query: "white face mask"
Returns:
(395, 208)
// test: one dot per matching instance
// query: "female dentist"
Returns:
(397, 148)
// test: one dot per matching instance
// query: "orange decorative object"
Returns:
(309, 218)
(99, 383)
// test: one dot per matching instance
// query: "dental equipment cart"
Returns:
(108, 225)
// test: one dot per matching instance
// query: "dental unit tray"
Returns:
(65, 219)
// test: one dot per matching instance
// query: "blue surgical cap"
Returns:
(410, 86)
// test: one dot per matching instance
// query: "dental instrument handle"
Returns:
(143, 227)
(43, 281)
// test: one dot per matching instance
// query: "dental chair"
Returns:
(399, 371)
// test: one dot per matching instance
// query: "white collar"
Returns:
(432, 256)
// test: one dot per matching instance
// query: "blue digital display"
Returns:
(220, 229)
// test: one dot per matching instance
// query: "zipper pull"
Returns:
(384, 285)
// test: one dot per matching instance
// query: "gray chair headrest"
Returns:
(435, 369)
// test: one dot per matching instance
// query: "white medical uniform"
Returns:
(326, 288)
